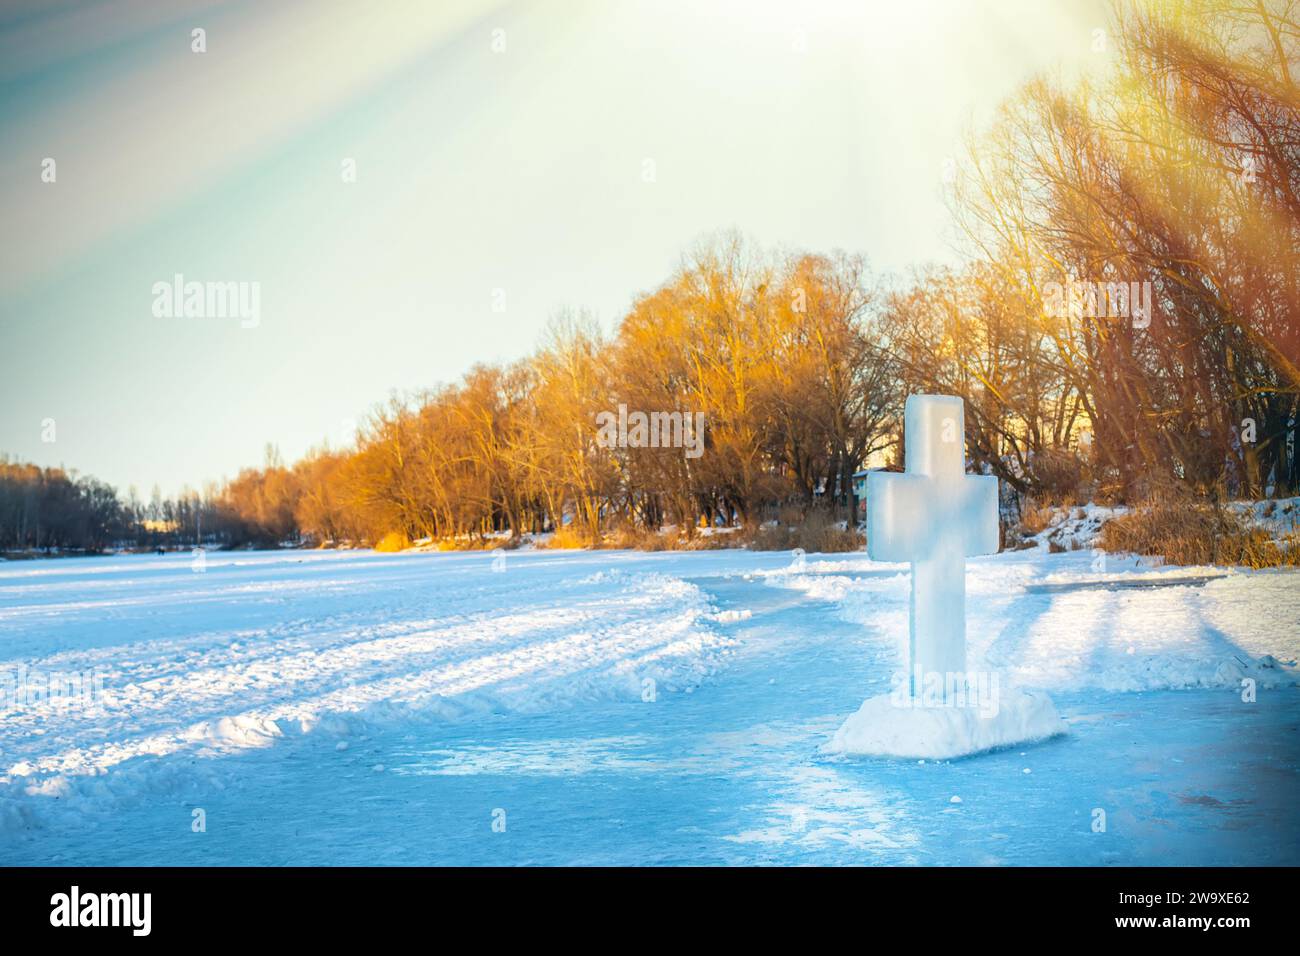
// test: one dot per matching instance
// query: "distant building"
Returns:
(860, 493)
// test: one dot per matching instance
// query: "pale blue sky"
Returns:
(810, 125)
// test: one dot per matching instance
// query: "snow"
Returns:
(630, 708)
(1076, 527)
(598, 635)
(1079, 526)
(1278, 516)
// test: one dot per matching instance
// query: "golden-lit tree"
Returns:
(1180, 171)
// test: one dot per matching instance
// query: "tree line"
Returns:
(1128, 318)
(57, 510)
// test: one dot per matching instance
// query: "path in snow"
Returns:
(355, 708)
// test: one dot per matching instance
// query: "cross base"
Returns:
(882, 727)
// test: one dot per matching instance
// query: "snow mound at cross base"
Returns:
(883, 728)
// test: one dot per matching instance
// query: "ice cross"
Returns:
(935, 516)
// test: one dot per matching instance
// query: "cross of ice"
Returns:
(935, 516)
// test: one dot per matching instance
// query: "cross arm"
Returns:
(979, 514)
(896, 510)
(908, 516)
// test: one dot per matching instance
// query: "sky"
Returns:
(511, 160)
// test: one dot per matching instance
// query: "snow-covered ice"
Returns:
(628, 708)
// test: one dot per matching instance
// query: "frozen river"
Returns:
(626, 708)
